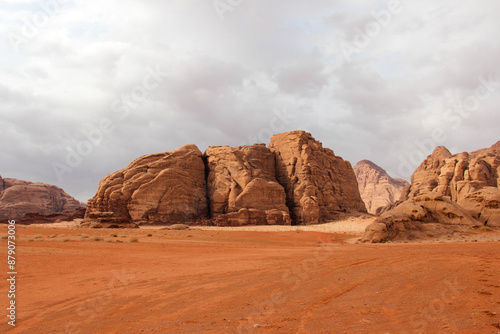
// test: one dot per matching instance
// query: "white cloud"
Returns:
(226, 79)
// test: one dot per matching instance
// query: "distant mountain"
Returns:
(376, 187)
(19, 197)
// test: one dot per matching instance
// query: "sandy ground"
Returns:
(228, 280)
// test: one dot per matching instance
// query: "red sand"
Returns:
(249, 282)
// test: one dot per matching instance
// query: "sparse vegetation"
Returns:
(149, 235)
(113, 235)
(109, 240)
(485, 228)
(65, 239)
(38, 236)
(133, 240)
(97, 238)
(85, 236)
(4, 237)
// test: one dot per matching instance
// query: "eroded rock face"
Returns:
(157, 188)
(377, 189)
(18, 198)
(242, 187)
(418, 218)
(245, 185)
(469, 179)
(460, 190)
(319, 185)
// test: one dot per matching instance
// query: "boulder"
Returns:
(18, 197)
(242, 187)
(377, 189)
(157, 188)
(418, 218)
(319, 186)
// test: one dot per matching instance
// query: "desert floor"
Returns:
(251, 280)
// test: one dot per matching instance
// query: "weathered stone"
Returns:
(413, 217)
(18, 198)
(242, 187)
(319, 185)
(157, 188)
(454, 190)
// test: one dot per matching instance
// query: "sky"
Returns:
(88, 86)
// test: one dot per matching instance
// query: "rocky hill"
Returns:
(450, 190)
(378, 190)
(18, 198)
(294, 180)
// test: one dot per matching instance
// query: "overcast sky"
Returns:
(378, 80)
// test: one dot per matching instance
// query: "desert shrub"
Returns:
(485, 228)
(97, 238)
(133, 240)
(65, 239)
(149, 235)
(113, 235)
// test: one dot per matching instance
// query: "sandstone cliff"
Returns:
(378, 190)
(319, 185)
(470, 179)
(18, 198)
(158, 188)
(295, 179)
(461, 189)
(242, 186)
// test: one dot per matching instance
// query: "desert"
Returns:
(298, 279)
(253, 239)
(232, 166)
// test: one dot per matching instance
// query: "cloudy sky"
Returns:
(88, 86)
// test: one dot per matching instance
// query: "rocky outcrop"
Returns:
(18, 198)
(37, 218)
(163, 188)
(418, 218)
(319, 185)
(295, 178)
(461, 190)
(377, 189)
(242, 187)
(469, 179)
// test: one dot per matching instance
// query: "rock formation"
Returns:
(37, 218)
(378, 190)
(319, 185)
(470, 179)
(159, 188)
(18, 198)
(242, 186)
(461, 189)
